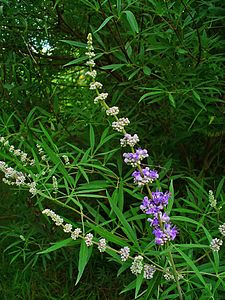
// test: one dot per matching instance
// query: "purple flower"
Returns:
(145, 176)
(161, 198)
(135, 158)
(170, 231)
(162, 228)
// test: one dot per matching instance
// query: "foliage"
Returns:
(162, 63)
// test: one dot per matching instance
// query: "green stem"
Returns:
(175, 276)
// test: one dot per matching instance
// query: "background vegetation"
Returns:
(162, 63)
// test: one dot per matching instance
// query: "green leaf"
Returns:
(139, 281)
(171, 100)
(147, 70)
(193, 267)
(196, 95)
(85, 253)
(108, 235)
(76, 61)
(126, 226)
(130, 286)
(113, 67)
(132, 21)
(74, 43)
(58, 245)
(92, 138)
(104, 23)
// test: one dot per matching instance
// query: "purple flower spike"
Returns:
(163, 230)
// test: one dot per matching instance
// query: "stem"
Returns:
(175, 276)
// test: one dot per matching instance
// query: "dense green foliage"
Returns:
(162, 63)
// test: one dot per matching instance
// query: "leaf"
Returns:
(139, 281)
(193, 267)
(92, 137)
(113, 67)
(76, 61)
(196, 95)
(110, 236)
(130, 286)
(147, 70)
(85, 253)
(104, 23)
(132, 21)
(74, 43)
(171, 100)
(127, 228)
(58, 245)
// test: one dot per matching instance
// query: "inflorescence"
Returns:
(163, 230)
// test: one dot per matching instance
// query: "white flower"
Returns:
(119, 125)
(95, 85)
(88, 239)
(67, 227)
(212, 199)
(102, 245)
(90, 63)
(92, 73)
(137, 265)
(100, 97)
(129, 140)
(90, 54)
(149, 271)
(124, 253)
(222, 229)
(75, 233)
(112, 111)
(215, 244)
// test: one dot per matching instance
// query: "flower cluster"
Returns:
(222, 229)
(93, 73)
(54, 184)
(124, 253)
(100, 97)
(68, 228)
(120, 124)
(102, 245)
(17, 152)
(41, 152)
(129, 140)
(137, 265)
(212, 199)
(88, 239)
(149, 271)
(13, 177)
(170, 277)
(95, 85)
(144, 176)
(135, 158)
(216, 244)
(162, 228)
(112, 111)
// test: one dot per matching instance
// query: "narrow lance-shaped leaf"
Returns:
(132, 21)
(85, 253)
(104, 23)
